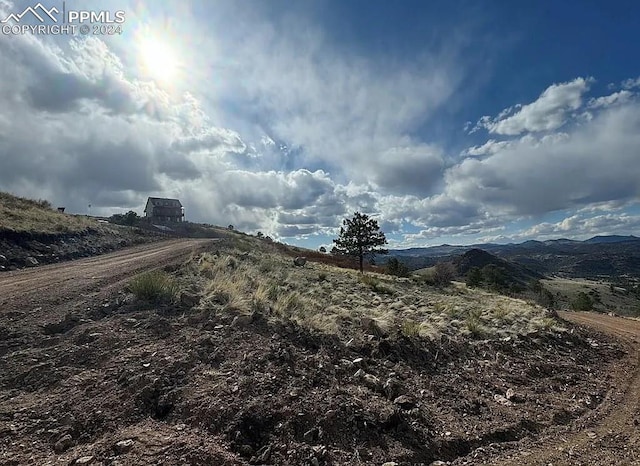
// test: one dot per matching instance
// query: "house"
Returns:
(159, 209)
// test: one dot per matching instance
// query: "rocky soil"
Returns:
(90, 376)
(21, 249)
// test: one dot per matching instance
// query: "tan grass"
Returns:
(266, 281)
(19, 214)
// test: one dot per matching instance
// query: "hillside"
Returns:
(32, 233)
(239, 357)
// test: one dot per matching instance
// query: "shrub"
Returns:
(583, 302)
(397, 268)
(474, 277)
(495, 277)
(443, 274)
(155, 286)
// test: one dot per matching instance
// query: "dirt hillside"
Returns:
(256, 361)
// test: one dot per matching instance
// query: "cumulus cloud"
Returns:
(549, 112)
(595, 162)
(616, 98)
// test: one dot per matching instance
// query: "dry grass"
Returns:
(19, 215)
(155, 286)
(256, 277)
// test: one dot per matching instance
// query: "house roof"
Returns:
(158, 201)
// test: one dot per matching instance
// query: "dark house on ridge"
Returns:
(159, 209)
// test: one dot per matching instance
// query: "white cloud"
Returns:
(490, 147)
(631, 83)
(616, 98)
(549, 112)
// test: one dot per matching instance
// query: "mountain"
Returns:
(611, 239)
(514, 272)
(597, 257)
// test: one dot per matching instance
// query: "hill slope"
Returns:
(242, 358)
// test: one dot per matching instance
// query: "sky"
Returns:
(447, 121)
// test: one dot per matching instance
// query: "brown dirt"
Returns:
(86, 372)
(611, 433)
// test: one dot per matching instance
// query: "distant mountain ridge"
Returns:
(599, 256)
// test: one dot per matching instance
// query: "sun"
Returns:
(158, 60)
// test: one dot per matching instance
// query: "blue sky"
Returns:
(450, 122)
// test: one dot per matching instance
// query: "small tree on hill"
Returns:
(397, 268)
(474, 277)
(360, 236)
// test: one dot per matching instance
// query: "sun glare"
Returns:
(158, 60)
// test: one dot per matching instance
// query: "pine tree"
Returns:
(360, 236)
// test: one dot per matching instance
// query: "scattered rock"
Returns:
(405, 402)
(31, 261)
(438, 463)
(189, 300)
(124, 446)
(390, 463)
(3, 260)
(511, 395)
(358, 361)
(299, 261)
(242, 320)
(65, 442)
(359, 373)
(502, 400)
(371, 327)
(372, 381)
(85, 460)
(262, 457)
(392, 388)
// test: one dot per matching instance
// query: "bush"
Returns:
(583, 302)
(155, 286)
(443, 274)
(397, 268)
(494, 277)
(474, 277)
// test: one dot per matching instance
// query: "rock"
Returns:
(31, 261)
(438, 463)
(65, 442)
(189, 300)
(502, 400)
(3, 260)
(405, 402)
(311, 435)
(359, 373)
(392, 388)
(358, 361)
(372, 381)
(390, 463)
(511, 395)
(299, 261)
(242, 320)
(124, 446)
(371, 327)
(85, 460)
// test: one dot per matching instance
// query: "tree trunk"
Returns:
(361, 260)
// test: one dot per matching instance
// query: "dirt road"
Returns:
(610, 434)
(69, 282)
